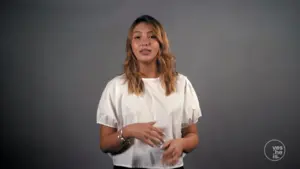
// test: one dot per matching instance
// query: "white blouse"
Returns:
(117, 108)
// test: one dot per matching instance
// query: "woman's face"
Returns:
(144, 44)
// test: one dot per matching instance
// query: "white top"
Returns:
(117, 108)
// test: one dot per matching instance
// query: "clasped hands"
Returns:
(153, 136)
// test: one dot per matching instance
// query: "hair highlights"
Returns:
(165, 60)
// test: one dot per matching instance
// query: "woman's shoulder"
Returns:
(181, 78)
(116, 81)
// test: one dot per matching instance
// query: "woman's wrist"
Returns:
(189, 142)
(126, 132)
(183, 142)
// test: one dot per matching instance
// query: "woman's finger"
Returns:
(170, 160)
(149, 142)
(168, 152)
(157, 136)
(174, 160)
(158, 130)
(166, 144)
(152, 122)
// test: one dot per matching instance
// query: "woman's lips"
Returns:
(145, 51)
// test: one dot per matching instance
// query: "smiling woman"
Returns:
(147, 115)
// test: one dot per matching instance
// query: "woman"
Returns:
(147, 115)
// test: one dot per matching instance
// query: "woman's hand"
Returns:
(145, 132)
(172, 151)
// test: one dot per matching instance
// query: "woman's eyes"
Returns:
(151, 37)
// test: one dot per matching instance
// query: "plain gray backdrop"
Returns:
(242, 58)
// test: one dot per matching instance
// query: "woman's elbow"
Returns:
(102, 147)
(197, 139)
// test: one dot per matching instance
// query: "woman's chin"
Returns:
(146, 59)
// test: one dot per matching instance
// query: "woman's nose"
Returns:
(145, 41)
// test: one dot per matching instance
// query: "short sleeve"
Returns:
(191, 107)
(106, 112)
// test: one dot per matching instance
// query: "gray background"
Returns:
(241, 56)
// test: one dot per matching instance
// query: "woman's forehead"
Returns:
(143, 27)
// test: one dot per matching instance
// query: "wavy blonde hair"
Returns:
(165, 60)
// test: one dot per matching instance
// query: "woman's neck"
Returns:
(148, 70)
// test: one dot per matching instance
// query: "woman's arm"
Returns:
(109, 141)
(146, 132)
(190, 138)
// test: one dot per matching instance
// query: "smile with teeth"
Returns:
(145, 51)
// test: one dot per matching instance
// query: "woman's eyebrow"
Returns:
(141, 32)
